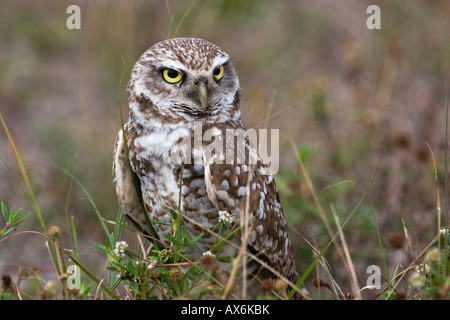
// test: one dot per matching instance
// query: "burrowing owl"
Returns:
(184, 104)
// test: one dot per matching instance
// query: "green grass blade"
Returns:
(34, 204)
(382, 254)
(222, 242)
(22, 220)
(5, 212)
(120, 222)
(446, 146)
(182, 19)
(76, 250)
(24, 174)
(88, 196)
(314, 262)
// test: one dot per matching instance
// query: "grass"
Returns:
(137, 273)
(341, 201)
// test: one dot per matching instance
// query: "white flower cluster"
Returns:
(432, 258)
(225, 217)
(444, 231)
(119, 249)
(421, 268)
(209, 253)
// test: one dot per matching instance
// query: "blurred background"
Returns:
(357, 103)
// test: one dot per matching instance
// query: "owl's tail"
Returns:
(301, 293)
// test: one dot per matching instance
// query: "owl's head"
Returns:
(184, 77)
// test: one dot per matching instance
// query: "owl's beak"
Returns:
(202, 93)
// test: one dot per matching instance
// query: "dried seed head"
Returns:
(175, 274)
(396, 240)
(402, 139)
(208, 259)
(6, 283)
(400, 295)
(280, 285)
(153, 274)
(267, 285)
(63, 276)
(54, 231)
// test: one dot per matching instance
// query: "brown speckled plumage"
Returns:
(165, 123)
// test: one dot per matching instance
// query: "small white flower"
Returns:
(151, 264)
(119, 249)
(416, 280)
(443, 232)
(225, 217)
(209, 253)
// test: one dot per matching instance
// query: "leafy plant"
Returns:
(12, 219)
(431, 275)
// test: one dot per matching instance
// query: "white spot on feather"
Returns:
(225, 186)
(241, 191)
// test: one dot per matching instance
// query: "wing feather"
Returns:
(230, 183)
(125, 188)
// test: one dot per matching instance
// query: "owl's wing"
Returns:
(125, 188)
(241, 186)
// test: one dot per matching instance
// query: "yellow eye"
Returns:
(172, 76)
(218, 73)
